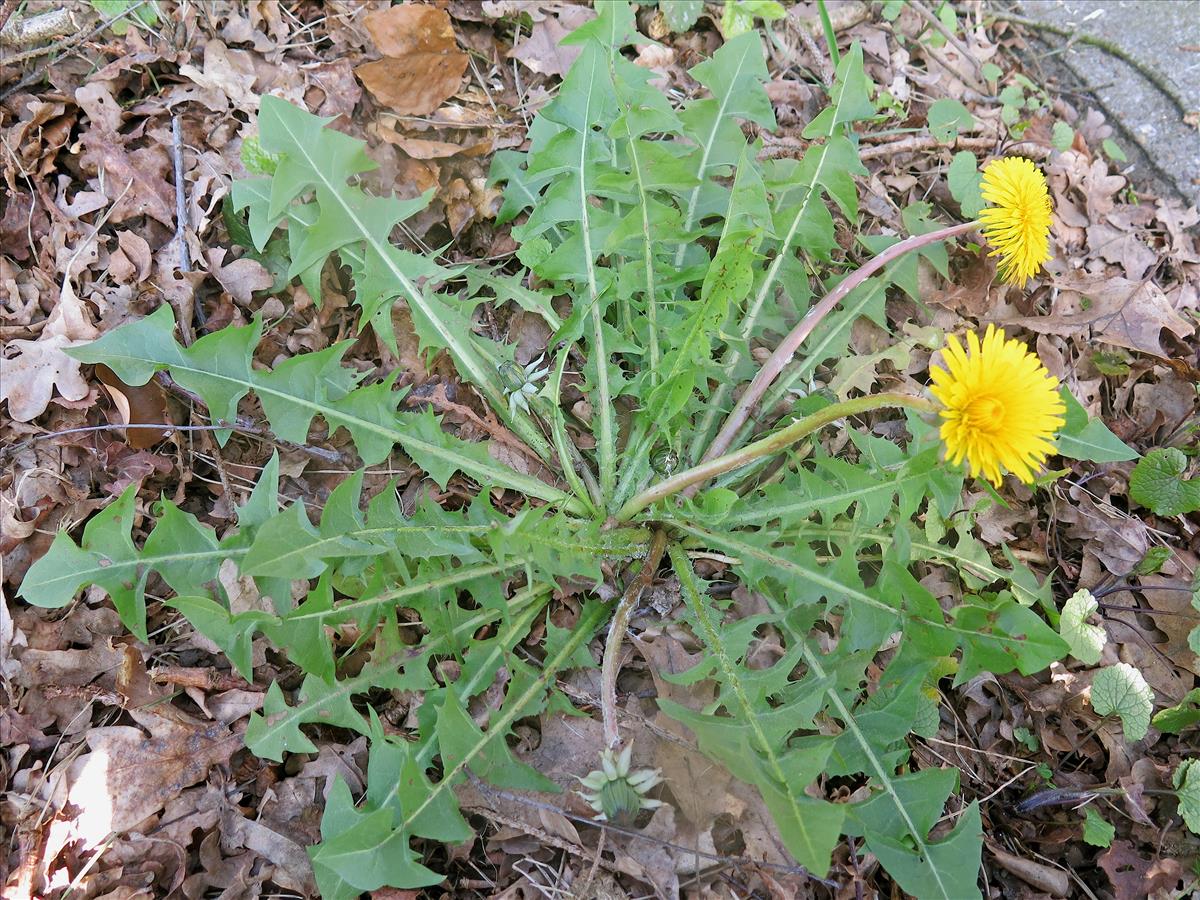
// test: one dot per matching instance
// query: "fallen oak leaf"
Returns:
(141, 405)
(132, 260)
(241, 278)
(37, 368)
(1130, 314)
(129, 776)
(134, 180)
(1121, 247)
(226, 80)
(422, 65)
(543, 51)
(1132, 876)
(422, 148)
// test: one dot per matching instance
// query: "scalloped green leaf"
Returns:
(1157, 483)
(1121, 690)
(1085, 640)
(1186, 780)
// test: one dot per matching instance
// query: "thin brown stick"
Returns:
(925, 13)
(783, 354)
(181, 216)
(876, 147)
(6, 11)
(65, 44)
(616, 637)
(200, 678)
(30, 30)
(926, 142)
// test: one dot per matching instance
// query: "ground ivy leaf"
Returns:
(1086, 640)
(1096, 831)
(1187, 783)
(1122, 690)
(1157, 483)
(946, 117)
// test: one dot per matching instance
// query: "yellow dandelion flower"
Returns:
(1017, 221)
(1001, 408)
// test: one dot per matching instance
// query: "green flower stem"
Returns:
(772, 443)
(783, 354)
(830, 35)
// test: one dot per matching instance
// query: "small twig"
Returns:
(181, 216)
(64, 44)
(926, 142)
(22, 32)
(1091, 40)
(6, 10)
(783, 354)
(200, 678)
(590, 877)
(925, 13)
(616, 638)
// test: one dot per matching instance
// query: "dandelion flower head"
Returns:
(1000, 407)
(1017, 219)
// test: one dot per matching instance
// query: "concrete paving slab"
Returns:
(1164, 36)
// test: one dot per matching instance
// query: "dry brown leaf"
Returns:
(237, 874)
(1176, 621)
(499, 9)
(35, 369)
(543, 50)
(12, 639)
(1121, 247)
(1090, 178)
(293, 871)
(420, 148)
(132, 260)
(227, 79)
(1117, 540)
(1132, 876)
(336, 81)
(141, 405)
(134, 180)
(95, 98)
(1177, 221)
(1118, 311)
(422, 65)
(128, 776)
(241, 278)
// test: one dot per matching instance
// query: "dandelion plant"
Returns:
(702, 296)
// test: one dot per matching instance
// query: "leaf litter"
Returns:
(125, 776)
